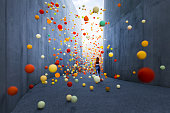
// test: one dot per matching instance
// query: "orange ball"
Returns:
(12, 90)
(57, 75)
(29, 68)
(107, 89)
(119, 5)
(75, 74)
(37, 17)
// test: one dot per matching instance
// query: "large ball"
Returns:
(73, 99)
(12, 90)
(38, 36)
(68, 97)
(146, 75)
(141, 55)
(52, 68)
(41, 104)
(96, 9)
(97, 79)
(29, 68)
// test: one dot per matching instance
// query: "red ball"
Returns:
(74, 32)
(29, 68)
(146, 75)
(31, 86)
(57, 62)
(68, 50)
(62, 65)
(115, 60)
(61, 59)
(115, 77)
(65, 23)
(57, 5)
(60, 26)
(69, 84)
(41, 11)
(84, 34)
(102, 52)
(12, 90)
(101, 80)
(46, 67)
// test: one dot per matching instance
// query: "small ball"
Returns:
(65, 79)
(74, 99)
(84, 84)
(41, 104)
(110, 54)
(162, 67)
(97, 79)
(42, 56)
(144, 43)
(44, 28)
(91, 88)
(118, 86)
(68, 98)
(12, 90)
(29, 46)
(129, 27)
(107, 89)
(143, 21)
(38, 36)
(63, 6)
(89, 76)
(76, 80)
(96, 9)
(141, 55)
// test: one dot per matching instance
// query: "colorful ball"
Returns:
(29, 68)
(52, 68)
(37, 17)
(110, 54)
(12, 90)
(68, 50)
(29, 46)
(141, 55)
(43, 78)
(41, 11)
(146, 75)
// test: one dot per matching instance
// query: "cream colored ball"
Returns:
(68, 98)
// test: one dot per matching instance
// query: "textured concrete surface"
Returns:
(126, 43)
(18, 28)
(130, 98)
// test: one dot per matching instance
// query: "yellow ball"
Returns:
(110, 54)
(37, 17)
(43, 78)
(91, 88)
(144, 43)
(141, 55)
(81, 77)
(29, 46)
(118, 76)
(56, 80)
(57, 75)
(52, 83)
(45, 82)
(52, 79)
(105, 74)
(52, 68)
(84, 84)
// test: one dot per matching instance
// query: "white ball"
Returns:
(127, 21)
(65, 79)
(68, 45)
(63, 6)
(44, 28)
(118, 86)
(93, 76)
(67, 69)
(97, 79)
(89, 76)
(45, 3)
(74, 77)
(76, 80)
(38, 36)
(41, 104)
(129, 27)
(64, 53)
(68, 97)
(73, 99)
(42, 56)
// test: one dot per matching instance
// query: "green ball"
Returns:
(73, 99)
(102, 23)
(41, 104)
(48, 35)
(162, 67)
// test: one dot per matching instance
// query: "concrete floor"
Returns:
(130, 98)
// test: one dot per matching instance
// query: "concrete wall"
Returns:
(18, 28)
(126, 43)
